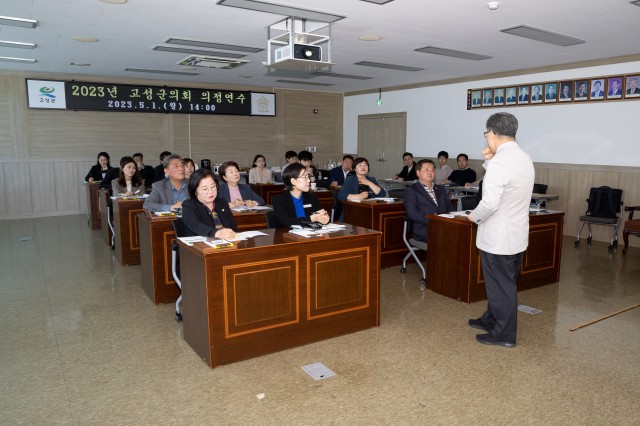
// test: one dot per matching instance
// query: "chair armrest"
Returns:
(631, 209)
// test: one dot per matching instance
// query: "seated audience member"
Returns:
(291, 157)
(297, 204)
(359, 186)
(159, 170)
(189, 168)
(408, 172)
(306, 158)
(146, 172)
(205, 213)
(443, 172)
(129, 182)
(100, 169)
(464, 174)
(340, 173)
(235, 193)
(259, 173)
(425, 197)
(168, 194)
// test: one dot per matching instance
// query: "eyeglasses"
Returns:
(304, 177)
(485, 133)
(207, 190)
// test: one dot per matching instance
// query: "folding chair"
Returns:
(603, 208)
(413, 245)
(180, 231)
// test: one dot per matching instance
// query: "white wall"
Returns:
(605, 133)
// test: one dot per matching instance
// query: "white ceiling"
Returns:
(128, 32)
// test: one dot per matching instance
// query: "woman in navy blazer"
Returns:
(230, 175)
(297, 204)
(360, 186)
(100, 169)
(205, 213)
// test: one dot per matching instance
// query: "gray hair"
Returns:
(168, 159)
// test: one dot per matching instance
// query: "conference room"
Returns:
(84, 342)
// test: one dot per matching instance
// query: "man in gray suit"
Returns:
(503, 228)
(168, 194)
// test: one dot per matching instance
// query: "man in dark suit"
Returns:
(633, 86)
(423, 198)
(338, 174)
(551, 93)
(536, 96)
(159, 170)
(524, 95)
(168, 194)
(566, 92)
(408, 172)
(597, 91)
(511, 95)
(581, 93)
(147, 172)
(476, 99)
(499, 98)
(614, 84)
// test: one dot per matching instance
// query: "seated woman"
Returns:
(360, 186)
(205, 213)
(130, 182)
(236, 194)
(259, 172)
(189, 167)
(297, 204)
(100, 169)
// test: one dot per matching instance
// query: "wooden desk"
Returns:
(93, 204)
(325, 198)
(385, 217)
(107, 234)
(278, 291)
(453, 261)
(125, 225)
(267, 191)
(156, 238)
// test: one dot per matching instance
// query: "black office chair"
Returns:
(603, 208)
(272, 222)
(180, 231)
(413, 245)
(396, 193)
(338, 207)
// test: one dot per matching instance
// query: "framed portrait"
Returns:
(476, 98)
(498, 96)
(566, 91)
(614, 87)
(582, 90)
(487, 97)
(512, 96)
(523, 95)
(536, 94)
(597, 89)
(550, 93)
(632, 86)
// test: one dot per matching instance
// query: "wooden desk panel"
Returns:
(278, 291)
(125, 225)
(453, 260)
(267, 191)
(93, 204)
(107, 234)
(385, 217)
(326, 200)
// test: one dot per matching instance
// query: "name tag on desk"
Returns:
(306, 206)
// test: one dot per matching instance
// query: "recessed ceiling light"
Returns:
(150, 71)
(84, 39)
(542, 35)
(9, 59)
(79, 64)
(388, 66)
(17, 44)
(114, 1)
(453, 53)
(18, 22)
(370, 37)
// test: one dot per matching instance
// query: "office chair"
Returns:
(603, 208)
(540, 188)
(396, 193)
(272, 222)
(631, 227)
(413, 245)
(180, 231)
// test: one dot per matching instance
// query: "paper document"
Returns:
(529, 310)
(249, 234)
(307, 233)
(191, 240)
(318, 371)
(385, 199)
(164, 213)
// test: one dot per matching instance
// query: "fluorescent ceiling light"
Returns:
(161, 71)
(378, 1)
(452, 53)
(18, 22)
(542, 35)
(17, 44)
(197, 52)
(278, 9)
(336, 75)
(308, 83)
(114, 1)
(388, 66)
(23, 60)
(210, 45)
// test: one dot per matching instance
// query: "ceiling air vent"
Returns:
(211, 62)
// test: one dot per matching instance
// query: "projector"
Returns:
(300, 51)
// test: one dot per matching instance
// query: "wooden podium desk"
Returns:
(267, 190)
(105, 216)
(93, 204)
(125, 225)
(278, 291)
(156, 238)
(453, 260)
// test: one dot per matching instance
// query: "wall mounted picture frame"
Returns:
(550, 93)
(487, 97)
(523, 95)
(596, 91)
(582, 90)
(476, 99)
(566, 91)
(632, 86)
(614, 87)
(511, 96)
(537, 93)
(498, 96)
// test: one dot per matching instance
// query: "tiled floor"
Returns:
(80, 343)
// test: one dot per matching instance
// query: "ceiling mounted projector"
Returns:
(300, 51)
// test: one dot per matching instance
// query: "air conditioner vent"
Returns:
(211, 62)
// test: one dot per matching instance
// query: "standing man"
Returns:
(340, 173)
(503, 228)
(168, 194)
(408, 172)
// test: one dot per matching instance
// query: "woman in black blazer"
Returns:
(298, 204)
(100, 169)
(205, 213)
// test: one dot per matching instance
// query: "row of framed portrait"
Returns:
(581, 90)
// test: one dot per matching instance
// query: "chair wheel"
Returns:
(423, 284)
(577, 243)
(403, 270)
(178, 317)
(589, 240)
